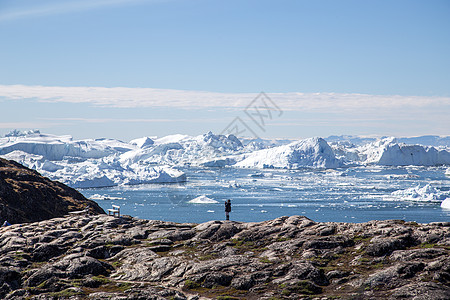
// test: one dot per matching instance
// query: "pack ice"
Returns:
(109, 162)
(85, 163)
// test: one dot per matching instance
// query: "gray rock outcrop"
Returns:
(102, 257)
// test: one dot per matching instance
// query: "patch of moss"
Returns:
(19, 255)
(66, 293)
(265, 260)
(190, 285)
(321, 261)
(303, 287)
(428, 245)
(282, 239)
(361, 239)
(412, 223)
(102, 279)
(42, 285)
(124, 286)
(208, 256)
(364, 260)
(116, 264)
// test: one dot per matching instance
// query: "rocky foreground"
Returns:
(102, 257)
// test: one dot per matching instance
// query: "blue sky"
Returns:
(332, 67)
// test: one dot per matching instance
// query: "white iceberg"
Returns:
(138, 174)
(87, 181)
(203, 200)
(403, 155)
(53, 147)
(143, 142)
(106, 162)
(446, 203)
(390, 153)
(219, 162)
(426, 193)
(311, 153)
(88, 163)
(104, 197)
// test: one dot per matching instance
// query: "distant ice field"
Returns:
(356, 194)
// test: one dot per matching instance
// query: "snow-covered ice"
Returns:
(203, 200)
(446, 203)
(425, 193)
(86, 163)
(104, 197)
(389, 152)
(109, 162)
(312, 152)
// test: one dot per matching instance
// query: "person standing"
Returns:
(227, 209)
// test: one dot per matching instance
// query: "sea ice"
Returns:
(446, 203)
(203, 200)
(426, 193)
(106, 162)
(104, 197)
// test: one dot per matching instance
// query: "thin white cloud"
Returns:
(63, 7)
(26, 125)
(122, 120)
(122, 97)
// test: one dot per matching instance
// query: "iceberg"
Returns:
(310, 153)
(143, 142)
(219, 162)
(403, 155)
(87, 181)
(186, 150)
(152, 174)
(389, 152)
(203, 200)
(104, 197)
(53, 147)
(426, 193)
(106, 162)
(446, 203)
(88, 163)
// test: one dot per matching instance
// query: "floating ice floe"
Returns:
(426, 193)
(402, 176)
(234, 184)
(446, 203)
(203, 200)
(104, 197)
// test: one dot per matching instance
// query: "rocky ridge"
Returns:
(102, 257)
(26, 196)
